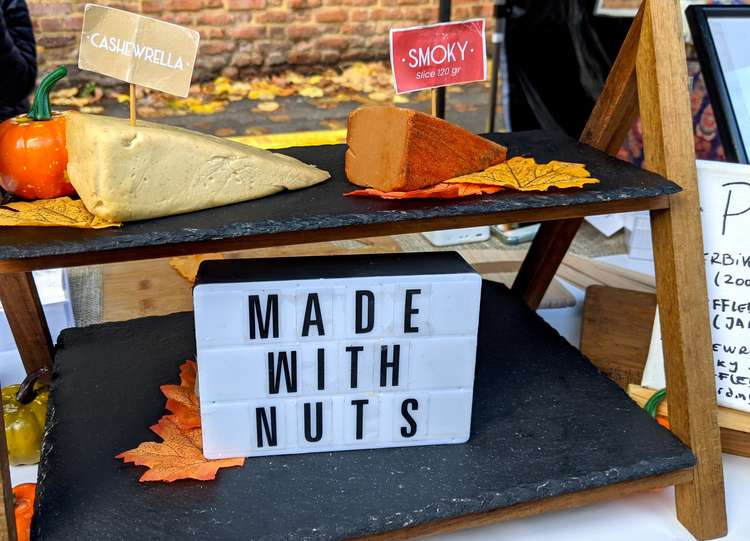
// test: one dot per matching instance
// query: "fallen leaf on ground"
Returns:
(187, 265)
(379, 96)
(58, 212)
(178, 456)
(525, 174)
(267, 107)
(311, 92)
(439, 191)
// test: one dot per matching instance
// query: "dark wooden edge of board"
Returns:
(527, 509)
(343, 233)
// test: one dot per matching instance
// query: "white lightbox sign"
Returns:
(303, 355)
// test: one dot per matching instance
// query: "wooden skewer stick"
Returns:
(434, 102)
(132, 105)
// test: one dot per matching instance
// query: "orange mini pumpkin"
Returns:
(33, 157)
(24, 509)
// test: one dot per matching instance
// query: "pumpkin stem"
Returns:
(26, 392)
(41, 108)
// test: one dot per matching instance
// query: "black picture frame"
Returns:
(735, 149)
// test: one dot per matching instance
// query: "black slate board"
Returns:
(322, 206)
(545, 422)
(331, 266)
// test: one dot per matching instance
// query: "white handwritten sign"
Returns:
(138, 49)
(725, 203)
(725, 216)
(325, 354)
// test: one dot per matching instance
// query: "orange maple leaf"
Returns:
(524, 174)
(181, 399)
(179, 456)
(439, 191)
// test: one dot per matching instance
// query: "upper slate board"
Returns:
(545, 422)
(324, 207)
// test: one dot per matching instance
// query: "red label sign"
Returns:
(438, 55)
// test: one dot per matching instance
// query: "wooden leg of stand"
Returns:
(543, 259)
(23, 309)
(680, 275)
(7, 518)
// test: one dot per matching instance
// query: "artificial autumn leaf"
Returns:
(58, 212)
(182, 400)
(187, 266)
(439, 191)
(179, 456)
(524, 174)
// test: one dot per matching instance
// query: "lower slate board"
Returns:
(545, 422)
(324, 207)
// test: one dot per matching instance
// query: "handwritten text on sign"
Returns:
(138, 49)
(325, 365)
(725, 204)
(438, 55)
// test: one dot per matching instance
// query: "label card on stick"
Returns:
(137, 49)
(437, 55)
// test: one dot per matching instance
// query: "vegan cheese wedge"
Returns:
(394, 149)
(125, 173)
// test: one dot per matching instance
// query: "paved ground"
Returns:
(469, 108)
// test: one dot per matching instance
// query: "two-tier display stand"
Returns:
(548, 431)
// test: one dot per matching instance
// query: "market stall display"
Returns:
(524, 375)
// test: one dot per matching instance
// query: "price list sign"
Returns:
(725, 216)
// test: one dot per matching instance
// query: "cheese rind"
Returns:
(394, 149)
(125, 173)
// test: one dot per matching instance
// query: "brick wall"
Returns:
(242, 37)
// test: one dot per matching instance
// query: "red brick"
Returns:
(152, 6)
(329, 57)
(40, 10)
(338, 43)
(213, 3)
(304, 55)
(241, 5)
(360, 2)
(243, 59)
(274, 16)
(363, 29)
(303, 4)
(331, 15)
(215, 47)
(211, 32)
(74, 22)
(247, 31)
(277, 32)
(386, 14)
(51, 24)
(53, 42)
(358, 15)
(183, 5)
(215, 18)
(298, 32)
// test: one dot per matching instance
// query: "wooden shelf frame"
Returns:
(649, 77)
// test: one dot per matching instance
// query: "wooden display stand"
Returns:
(649, 77)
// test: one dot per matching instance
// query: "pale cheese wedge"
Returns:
(125, 173)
